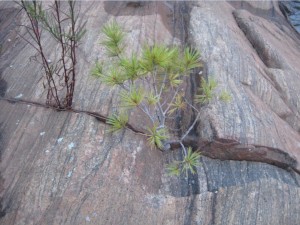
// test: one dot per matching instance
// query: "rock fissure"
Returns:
(98, 116)
(224, 149)
(213, 208)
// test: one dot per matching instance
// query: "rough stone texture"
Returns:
(255, 58)
(63, 168)
(291, 11)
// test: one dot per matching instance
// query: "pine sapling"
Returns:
(152, 83)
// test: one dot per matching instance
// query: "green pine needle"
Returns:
(178, 104)
(174, 79)
(156, 56)
(117, 121)
(225, 96)
(157, 136)
(97, 70)
(114, 37)
(114, 77)
(131, 66)
(132, 98)
(207, 90)
(152, 99)
(190, 161)
(173, 169)
(191, 59)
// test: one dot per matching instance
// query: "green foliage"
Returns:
(97, 70)
(191, 59)
(49, 22)
(225, 96)
(34, 9)
(153, 83)
(157, 136)
(117, 121)
(152, 99)
(207, 90)
(131, 66)
(114, 36)
(174, 79)
(173, 169)
(114, 77)
(132, 98)
(174, 66)
(155, 56)
(178, 104)
(190, 161)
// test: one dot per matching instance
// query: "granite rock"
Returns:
(64, 168)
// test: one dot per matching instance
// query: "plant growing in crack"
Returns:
(153, 83)
(64, 27)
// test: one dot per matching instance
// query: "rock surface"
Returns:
(292, 13)
(63, 168)
(256, 59)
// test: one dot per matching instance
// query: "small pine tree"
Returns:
(152, 84)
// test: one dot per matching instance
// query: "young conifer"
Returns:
(152, 83)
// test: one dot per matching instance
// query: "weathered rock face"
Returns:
(255, 59)
(64, 168)
(291, 11)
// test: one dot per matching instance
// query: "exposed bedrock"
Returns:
(64, 168)
(255, 58)
(292, 13)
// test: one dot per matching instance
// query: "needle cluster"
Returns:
(153, 83)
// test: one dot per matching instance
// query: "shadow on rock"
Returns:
(2, 209)
(3, 86)
(291, 10)
(174, 15)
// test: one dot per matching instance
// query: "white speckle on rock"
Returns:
(87, 219)
(155, 201)
(59, 140)
(47, 151)
(42, 133)
(70, 174)
(9, 40)
(71, 145)
(19, 96)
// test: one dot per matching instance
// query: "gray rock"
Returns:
(117, 179)
(255, 60)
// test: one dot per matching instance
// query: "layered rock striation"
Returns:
(64, 168)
